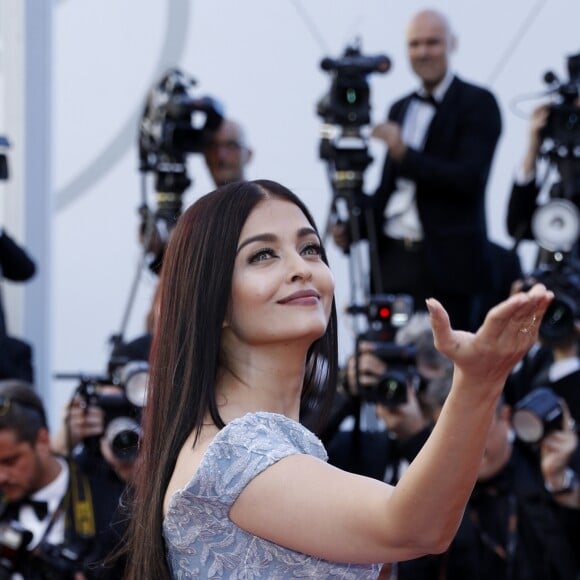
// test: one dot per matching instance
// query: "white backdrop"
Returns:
(261, 59)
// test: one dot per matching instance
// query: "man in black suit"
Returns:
(15, 354)
(56, 518)
(429, 210)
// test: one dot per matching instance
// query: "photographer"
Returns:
(514, 527)
(520, 523)
(226, 153)
(87, 435)
(101, 431)
(55, 519)
(83, 432)
(553, 138)
(429, 209)
(526, 189)
(555, 361)
(370, 379)
(560, 463)
(563, 375)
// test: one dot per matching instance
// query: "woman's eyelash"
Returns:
(260, 254)
(313, 246)
(263, 253)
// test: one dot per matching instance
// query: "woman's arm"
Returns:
(304, 504)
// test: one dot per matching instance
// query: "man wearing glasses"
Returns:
(227, 153)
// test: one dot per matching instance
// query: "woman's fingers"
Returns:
(519, 316)
(509, 330)
(442, 332)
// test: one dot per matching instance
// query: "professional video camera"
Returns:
(174, 123)
(556, 224)
(562, 131)
(344, 110)
(385, 314)
(121, 395)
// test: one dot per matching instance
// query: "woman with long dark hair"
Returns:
(230, 484)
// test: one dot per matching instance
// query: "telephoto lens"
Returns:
(538, 413)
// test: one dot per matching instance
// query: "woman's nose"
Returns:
(300, 269)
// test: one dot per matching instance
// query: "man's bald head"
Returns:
(430, 41)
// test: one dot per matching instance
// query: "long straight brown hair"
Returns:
(194, 295)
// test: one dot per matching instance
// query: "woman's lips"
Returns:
(304, 297)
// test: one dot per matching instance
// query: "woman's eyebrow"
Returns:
(257, 238)
(267, 237)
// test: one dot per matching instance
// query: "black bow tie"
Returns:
(40, 507)
(426, 98)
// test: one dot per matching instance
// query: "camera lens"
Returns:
(536, 414)
(391, 391)
(558, 321)
(134, 377)
(123, 434)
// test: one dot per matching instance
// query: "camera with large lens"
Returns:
(537, 414)
(558, 325)
(386, 314)
(174, 123)
(556, 224)
(123, 411)
(121, 395)
(391, 387)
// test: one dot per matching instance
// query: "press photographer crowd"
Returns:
(66, 497)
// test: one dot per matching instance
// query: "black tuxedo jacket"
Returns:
(15, 264)
(451, 175)
(15, 354)
(521, 207)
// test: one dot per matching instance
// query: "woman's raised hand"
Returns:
(507, 333)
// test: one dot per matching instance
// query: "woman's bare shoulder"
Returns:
(189, 460)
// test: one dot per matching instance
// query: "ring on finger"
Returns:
(528, 329)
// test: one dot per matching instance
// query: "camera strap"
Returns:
(81, 508)
(77, 505)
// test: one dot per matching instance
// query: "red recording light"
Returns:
(384, 312)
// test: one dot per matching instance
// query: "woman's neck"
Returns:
(268, 379)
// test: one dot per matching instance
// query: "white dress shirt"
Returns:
(52, 494)
(401, 215)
